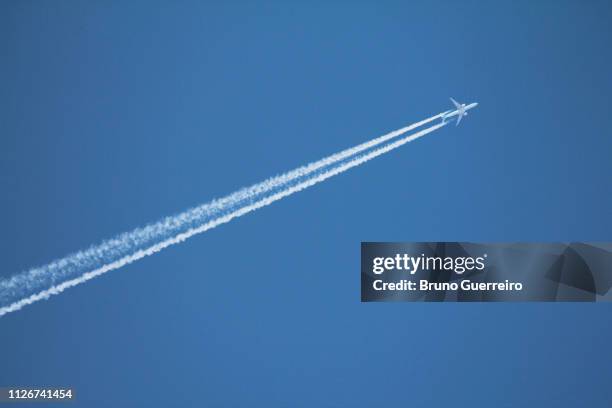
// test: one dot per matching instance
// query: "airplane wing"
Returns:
(458, 120)
(457, 105)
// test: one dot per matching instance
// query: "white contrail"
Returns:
(139, 238)
(222, 219)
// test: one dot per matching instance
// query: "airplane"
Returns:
(460, 111)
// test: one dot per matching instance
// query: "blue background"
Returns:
(114, 115)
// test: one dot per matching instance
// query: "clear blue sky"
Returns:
(115, 115)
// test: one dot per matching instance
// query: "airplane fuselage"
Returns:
(459, 112)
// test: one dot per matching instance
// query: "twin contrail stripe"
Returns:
(254, 202)
(139, 238)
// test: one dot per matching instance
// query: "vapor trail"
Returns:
(129, 242)
(33, 278)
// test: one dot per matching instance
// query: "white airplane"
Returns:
(460, 111)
